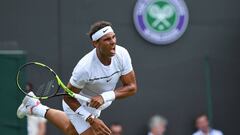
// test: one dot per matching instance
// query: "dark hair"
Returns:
(201, 115)
(97, 26)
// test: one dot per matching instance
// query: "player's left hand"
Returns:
(96, 101)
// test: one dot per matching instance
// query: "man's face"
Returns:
(107, 44)
(202, 123)
(116, 129)
(158, 129)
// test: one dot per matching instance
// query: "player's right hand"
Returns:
(96, 101)
(99, 127)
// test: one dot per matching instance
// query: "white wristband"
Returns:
(108, 96)
(83, 112)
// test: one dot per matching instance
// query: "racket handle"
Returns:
(83, 98)
(80, 97)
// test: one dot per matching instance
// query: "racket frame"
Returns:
(59, 81)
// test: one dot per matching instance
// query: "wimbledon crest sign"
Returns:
(161, 21)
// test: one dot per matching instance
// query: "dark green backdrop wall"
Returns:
(173, 80)
(10, 97)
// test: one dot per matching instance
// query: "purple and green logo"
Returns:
(161, 21)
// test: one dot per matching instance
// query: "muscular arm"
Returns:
(129, 86)
(72, 102)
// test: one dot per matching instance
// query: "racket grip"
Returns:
(83, 98)
(80, 97)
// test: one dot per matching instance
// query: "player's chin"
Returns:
(111, 54)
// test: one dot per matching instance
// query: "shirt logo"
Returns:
(108, 80)
(161, 21)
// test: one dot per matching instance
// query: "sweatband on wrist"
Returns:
(83, 112)
(108, 96)
(100, 33)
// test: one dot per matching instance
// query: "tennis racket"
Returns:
(43, 82)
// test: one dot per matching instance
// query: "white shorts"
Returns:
(78, 122)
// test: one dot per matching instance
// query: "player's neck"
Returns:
(103, 59)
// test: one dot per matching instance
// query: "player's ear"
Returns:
(95, 44)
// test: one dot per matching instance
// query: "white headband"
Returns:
(100, 33)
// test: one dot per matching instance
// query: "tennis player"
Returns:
(95, 76)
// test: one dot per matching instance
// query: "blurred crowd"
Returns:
(158, 126)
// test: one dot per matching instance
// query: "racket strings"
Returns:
(42, 80)
(45, 88)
